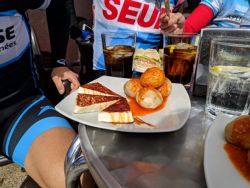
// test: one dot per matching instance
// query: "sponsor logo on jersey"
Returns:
(6, 36)
(234, 19)
(129, 14)
(14, 38)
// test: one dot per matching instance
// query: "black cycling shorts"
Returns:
(22, 123)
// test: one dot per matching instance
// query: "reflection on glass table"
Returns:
(119, 159)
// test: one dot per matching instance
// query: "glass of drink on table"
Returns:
(229, 77)
(180, 56)
(118, 50)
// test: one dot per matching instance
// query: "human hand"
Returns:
(172, 23)
(63, 73)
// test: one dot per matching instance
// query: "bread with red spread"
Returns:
(111, 107)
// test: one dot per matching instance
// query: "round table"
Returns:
(120, 159)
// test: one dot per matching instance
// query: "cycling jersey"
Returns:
(17, 73)
(24, 112)
(227, 13)
(18, 78)
(139, 16)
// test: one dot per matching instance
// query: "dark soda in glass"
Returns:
(118, 60)
(179, 61)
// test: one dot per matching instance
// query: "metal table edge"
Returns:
(95, 165)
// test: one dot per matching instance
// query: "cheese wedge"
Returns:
(119, 112)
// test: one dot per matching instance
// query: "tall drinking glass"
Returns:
(180, 52)
(229, 77)
(245, 20)
(118, 50)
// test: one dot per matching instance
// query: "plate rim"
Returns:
(213, 128)
(130, 130)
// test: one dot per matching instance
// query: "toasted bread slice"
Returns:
(93, 103)
(96, 89)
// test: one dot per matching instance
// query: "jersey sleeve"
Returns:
(198, 19)
(215, 5)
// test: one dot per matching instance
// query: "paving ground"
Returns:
(12, 176)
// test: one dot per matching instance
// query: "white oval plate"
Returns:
(219, 170)
(171, 118)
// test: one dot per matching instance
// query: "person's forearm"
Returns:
(20, 4)
(198, 19)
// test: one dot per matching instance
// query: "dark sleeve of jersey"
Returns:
(20, 4)
(58, 24)
(75, 28)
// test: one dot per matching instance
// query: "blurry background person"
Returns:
(212, 13)
(141, 17)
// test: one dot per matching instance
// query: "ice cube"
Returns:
(121, 48)
(184, 46)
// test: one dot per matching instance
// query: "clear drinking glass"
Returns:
(229, 77)
(245, 20)
(118, 49)
(180, 51)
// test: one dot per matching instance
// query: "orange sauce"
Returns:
(238, 157)
(139, 121)
(137, 110)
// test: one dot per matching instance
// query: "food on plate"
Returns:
(146, 58)
(237, 132)
(166, 88)
(93, 103)
(150, 89)
(148, 97)
(152, 77)
(100, 98)
(118, 112)
(96, 89)
(131, 87)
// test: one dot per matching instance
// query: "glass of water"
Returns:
(229, 77)
(245, 20)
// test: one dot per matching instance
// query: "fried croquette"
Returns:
(131, 87)
(237, 132)
(148, 97)
(152, 77)
(166, 88)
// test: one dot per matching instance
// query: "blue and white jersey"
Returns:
(14, 38)
(227, 13)
(18, 77)
(139, 16)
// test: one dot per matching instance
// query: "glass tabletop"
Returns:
(118, 159)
